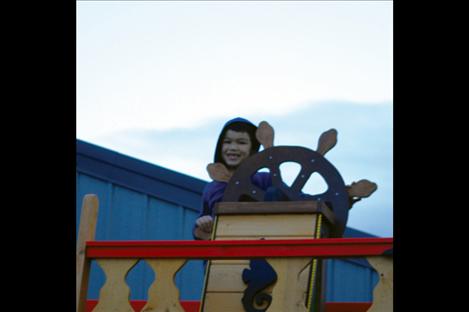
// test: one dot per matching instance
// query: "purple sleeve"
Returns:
(212, 194)
(262, 180)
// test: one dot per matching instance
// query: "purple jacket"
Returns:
(213, 193)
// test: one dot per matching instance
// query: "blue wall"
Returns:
(142, 201)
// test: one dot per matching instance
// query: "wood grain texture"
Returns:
(289, 293)
(114, 295)
(266, 225)
(327, 140)
(223, 302)
(86, 232)
(383, 292)
(224, 287)
(222, 271)
(265, 134)
(218, 172)
(163, 295)
(362, 188)
(290, 207)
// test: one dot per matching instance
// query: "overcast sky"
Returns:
(156, 80)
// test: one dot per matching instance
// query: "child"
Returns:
(237, 141)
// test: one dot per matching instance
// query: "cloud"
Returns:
(363, 151)
(157, 80)
(165, 66)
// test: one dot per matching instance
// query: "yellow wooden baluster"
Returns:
(383, 292)
(163, 295)
(288, 293)
(114, 295)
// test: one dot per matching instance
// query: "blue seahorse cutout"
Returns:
(260, 276)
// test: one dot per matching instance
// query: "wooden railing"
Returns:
(166, 258)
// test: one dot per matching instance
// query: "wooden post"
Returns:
(383, 292)
(87, 230)
(289, 293)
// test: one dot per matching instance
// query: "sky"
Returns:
(156, 80)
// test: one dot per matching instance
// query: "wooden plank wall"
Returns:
(224, 286)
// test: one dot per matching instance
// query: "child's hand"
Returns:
(205, 223)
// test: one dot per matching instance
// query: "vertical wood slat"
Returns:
(87, 232)
(288, 293)
(163, 294)
(115, 294)
(383, 292)
(265, 226)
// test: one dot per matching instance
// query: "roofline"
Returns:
(139, 175)
(140, 166)
(159, 180)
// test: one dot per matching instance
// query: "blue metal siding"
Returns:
(349, 281)
(139, 176)
(128, 215)
(90, 185)
(352, 279)
(141, 201)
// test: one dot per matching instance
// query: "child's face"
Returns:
(236, 147)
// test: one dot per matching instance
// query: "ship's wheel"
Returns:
(241, 188)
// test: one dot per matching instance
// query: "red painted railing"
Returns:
(193, 306)
(240, 249)
(245, 249)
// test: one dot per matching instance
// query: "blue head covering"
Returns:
(241, 125)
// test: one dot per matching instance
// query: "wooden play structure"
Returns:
(264, 255)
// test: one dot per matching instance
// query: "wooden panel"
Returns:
(225, 278)
(220, 273)
(231, 302)
(226, 302)
(292, 207)
(289, 292)
(266, 225)
(266, 207)
(237, 261)
(224, 285)
(232, 272)
(383, 292)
